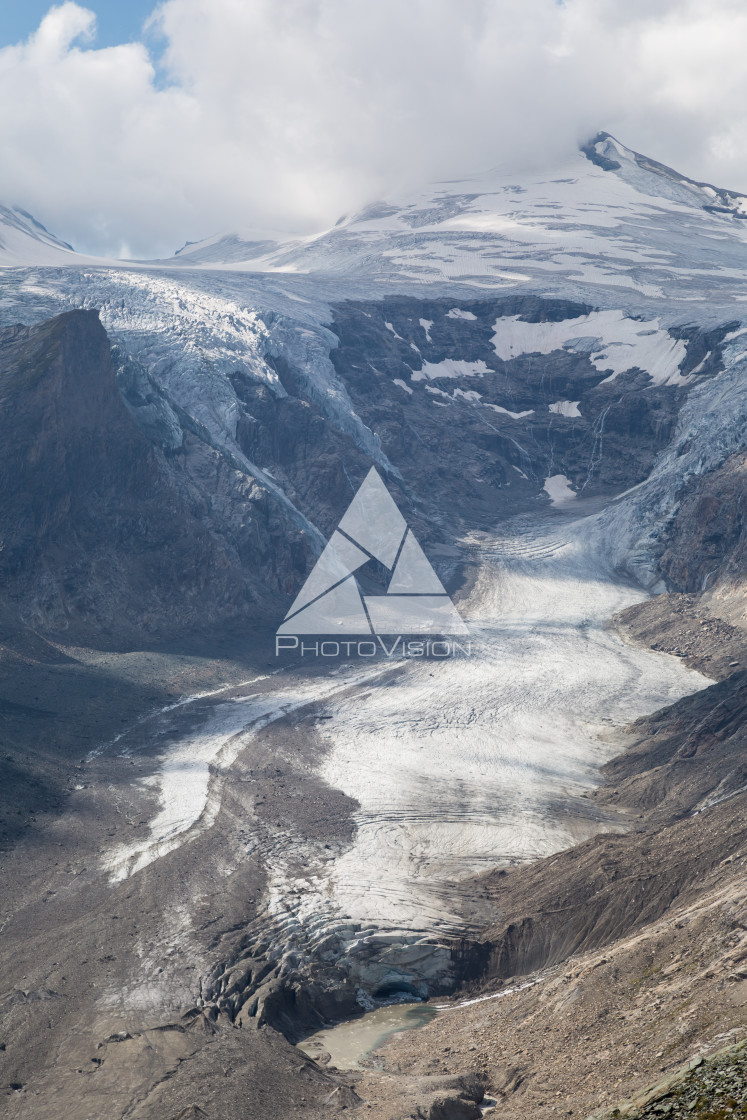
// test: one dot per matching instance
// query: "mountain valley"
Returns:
(214, 848)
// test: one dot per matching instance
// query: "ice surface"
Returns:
(712, 425)
(458, 765)
(413, 614)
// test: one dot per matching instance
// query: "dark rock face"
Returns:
(318, 466)
(121, 517)
(474, 460)
(589, 150)
(103, 531)
(707, 540)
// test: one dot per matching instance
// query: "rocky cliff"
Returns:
(106, 534)
(706, 543)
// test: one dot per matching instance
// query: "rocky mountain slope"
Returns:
(104, 530)
(711, 1087)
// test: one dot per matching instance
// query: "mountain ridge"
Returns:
(453, 229)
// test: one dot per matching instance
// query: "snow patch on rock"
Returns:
(558, 489)
(614, 342)
(507, 412)
(449, 367)
(565, 408)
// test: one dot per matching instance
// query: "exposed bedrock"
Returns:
(706, 542)
(482, 400)
(108, 533)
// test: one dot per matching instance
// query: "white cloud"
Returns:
(288, 112)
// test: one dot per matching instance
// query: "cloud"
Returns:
(287, 113)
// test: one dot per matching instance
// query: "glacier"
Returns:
(461, 766)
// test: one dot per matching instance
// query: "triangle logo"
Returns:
(330, 601)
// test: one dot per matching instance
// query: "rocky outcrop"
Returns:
(713, 1088)
(706, 543)
(109, 535)
(686, 626)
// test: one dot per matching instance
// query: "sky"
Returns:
(128, 128)
(117, 21)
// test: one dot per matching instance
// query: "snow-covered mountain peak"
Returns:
(24, 241)
(645, 173)
(608, 218)
(244, 245)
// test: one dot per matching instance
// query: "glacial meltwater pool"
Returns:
(348, 1043)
